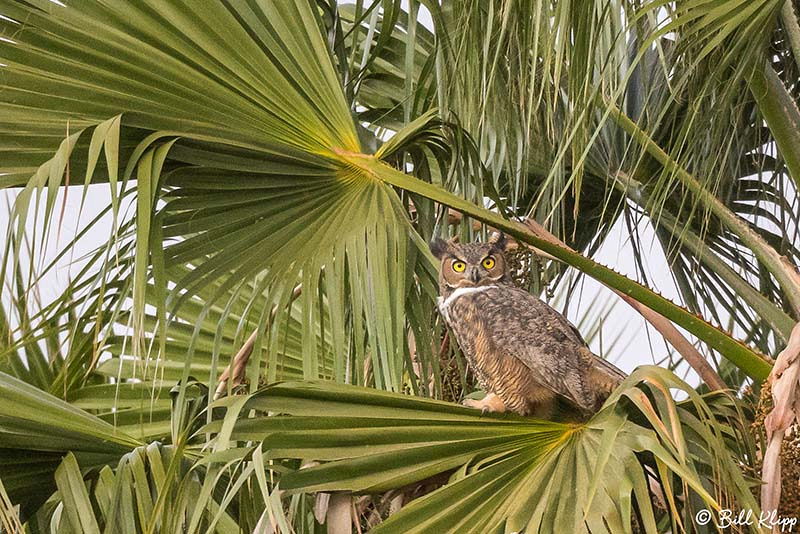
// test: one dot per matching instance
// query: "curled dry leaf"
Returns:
(783, 380)
(321, 501)
(238, 365)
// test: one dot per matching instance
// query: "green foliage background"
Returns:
(287, 162)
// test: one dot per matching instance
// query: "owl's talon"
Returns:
(470, 403)
(490, 403)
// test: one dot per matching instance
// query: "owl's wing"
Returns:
(603, 370)
(607, 369)
(549, 345)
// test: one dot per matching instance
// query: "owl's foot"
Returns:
(490, 403)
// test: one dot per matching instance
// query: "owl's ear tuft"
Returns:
(438, 247)
(499, 241)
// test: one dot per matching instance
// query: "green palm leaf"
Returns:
(35, 421)
(506, 472)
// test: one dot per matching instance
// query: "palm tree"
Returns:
(256, 347)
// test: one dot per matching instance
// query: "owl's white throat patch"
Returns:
(444, 304)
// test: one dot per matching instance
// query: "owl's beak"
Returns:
(474, 275)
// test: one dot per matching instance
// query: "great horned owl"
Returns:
(526, 356)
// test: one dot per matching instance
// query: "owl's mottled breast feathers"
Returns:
(502, 324)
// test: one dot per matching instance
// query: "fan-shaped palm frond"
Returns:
(502, 470)
(274, 170)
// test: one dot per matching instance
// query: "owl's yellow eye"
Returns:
(488, 262)
(459, 266)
